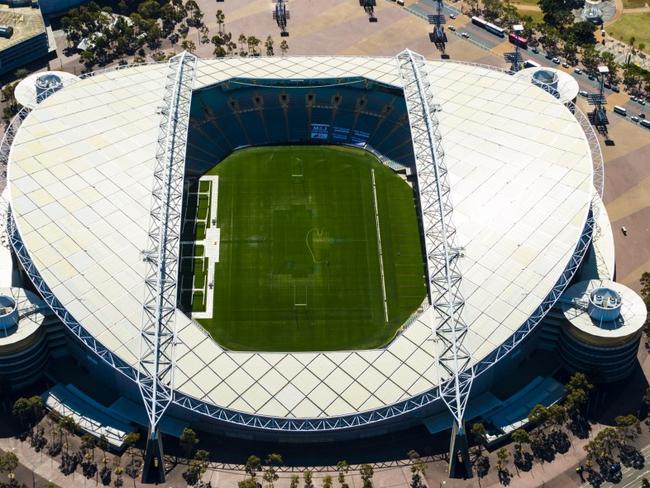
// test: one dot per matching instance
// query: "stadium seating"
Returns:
(238, 113)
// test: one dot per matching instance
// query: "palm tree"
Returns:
(327, 481)
(342, 467)
(252, 466)
(270, 473)
(366, 472)
(307, 476)
(295, 481)
(188, 45)
(242, 42)
(221, 19)
(504, 474)
(269, 46)
(479, 434)
(188, 441)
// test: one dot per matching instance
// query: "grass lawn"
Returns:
(535, 15)
(524, 2)
(299, 264)
(635, 3)
(637, 25)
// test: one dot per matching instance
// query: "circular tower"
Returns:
(602, 326)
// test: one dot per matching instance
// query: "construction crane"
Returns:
(281, 16)
(438, 36)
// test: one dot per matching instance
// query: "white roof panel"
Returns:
(520, 170)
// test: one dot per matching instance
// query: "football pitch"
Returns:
(299, 266)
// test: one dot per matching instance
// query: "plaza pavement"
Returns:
(341, 27)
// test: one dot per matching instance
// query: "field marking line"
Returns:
(381, 254)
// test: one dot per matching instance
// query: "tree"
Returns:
(221, 18)
(519, 437)
(188, 45)
(28, 410)
(253, 43)
(68, 426)
(492, 9)
(270, 472)
(253, 465)
(119, 482)
(21, 73)
(243, 41)
(247, 483)
(342, 467)
(479, 435)
(418, 470)
(645, 483)
(327, 481)
(504, 475)
(294, 481)
(539, 415)
(307, 475)
(284, 46)
(131, 439)
(188, 441)
(366, 472)
(590, 59)
(582, 33)
(197, 467)
(268, 44)
(8, 462)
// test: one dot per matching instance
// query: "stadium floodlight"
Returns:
(155, 376)
(442, 253)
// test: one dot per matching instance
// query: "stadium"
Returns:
(355, 245)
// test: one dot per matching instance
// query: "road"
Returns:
(631, 477)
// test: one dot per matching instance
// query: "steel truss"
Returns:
(405, 407)
(442, 253)
(158, 333)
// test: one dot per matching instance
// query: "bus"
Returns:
(620, 110)
(529, 63)
(520, 41)
(494, 29)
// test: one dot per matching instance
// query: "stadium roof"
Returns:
(80, 179)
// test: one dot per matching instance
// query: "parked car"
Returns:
(607, 85)
(591, 77)
(616, 89)
(641, 101)
(556, 60)
(452, 28)
(565, 65)
(465, 35)
(577, 71)
(634, 99)
(583, 93)
(535, 50)
(634, 118)
(452, 16)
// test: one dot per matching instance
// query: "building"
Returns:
(525, 173)
(27, 41)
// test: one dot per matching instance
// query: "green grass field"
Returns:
(299, 266)
(632, 25)
(635, 3)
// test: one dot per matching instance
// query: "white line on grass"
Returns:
(381, 256)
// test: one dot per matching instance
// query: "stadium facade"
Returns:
(525, 177)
